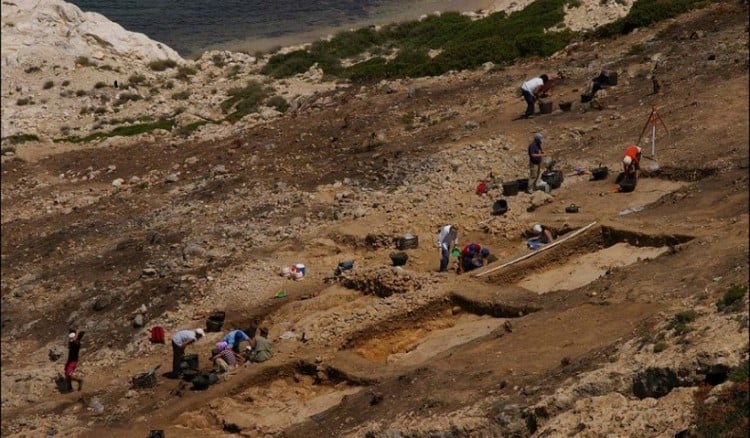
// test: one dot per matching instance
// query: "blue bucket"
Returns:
(301, 268)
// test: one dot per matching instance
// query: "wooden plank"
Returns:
(533, 253)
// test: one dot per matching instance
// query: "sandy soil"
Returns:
(213, 239)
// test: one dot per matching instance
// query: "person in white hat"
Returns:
(180, 340)
(631, 161)
(543, 234)
(74, 348)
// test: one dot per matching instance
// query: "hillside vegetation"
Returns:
(459, 43)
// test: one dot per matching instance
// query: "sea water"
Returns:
(194, 26)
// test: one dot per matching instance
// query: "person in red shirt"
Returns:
(632, 160)
(74, 348)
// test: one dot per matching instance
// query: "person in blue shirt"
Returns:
(536, 154)
(235, 338)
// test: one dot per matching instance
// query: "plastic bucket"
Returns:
(545, 107)
(510, 188)
(301, 268)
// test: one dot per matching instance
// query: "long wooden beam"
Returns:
(533, 253)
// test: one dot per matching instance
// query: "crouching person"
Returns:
(261, 347)
(224, 359)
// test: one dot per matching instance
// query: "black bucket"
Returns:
(217, 316)
(553, 177)
(188, 375)
(408, 241)
(399, 258)
(523, 184)
(585, 98)
(144, 380)
(499, 207)
(510, 188)
(565, 106)
(201, 382)
(190, 361)
(627, 183)
(599, 173)
(213, 326)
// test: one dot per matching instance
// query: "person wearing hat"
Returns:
(542, 234)
(532, 90)
(224, 358)
(447, 239)
(536, 154)
(473, 256)
(74, 348)
(261, 347)
(180, 340)
(631, 161)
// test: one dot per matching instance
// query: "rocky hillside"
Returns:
(636, 327)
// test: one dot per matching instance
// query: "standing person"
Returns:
(447, 239)
(74, 348)
(631, 162)
(536, 154)
(235, 338)
(531, 90)
(261, 351)
(180, 340)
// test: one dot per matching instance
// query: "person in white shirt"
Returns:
(180, 340)
(531, 90)
(447, 239)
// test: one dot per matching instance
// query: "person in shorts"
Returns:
(74, 348)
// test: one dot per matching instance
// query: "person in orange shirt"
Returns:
(632, 160)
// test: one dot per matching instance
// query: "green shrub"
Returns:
(728, 415)
(647, 12)
(279, 103)
(190, 128)
(636, 49)
(22, 138)
(100, 110)
(136, 79)
(218, 60)
(680, 322)
(168, 85)
(125, 97)
(123, 131)
(234, 71)
(65, 83)
(732, 296)
(660, 346)
(243, 101)
(99, 85)
(108, 67)
(81, 93)
(32, 69)
(83, 61)
(47, 85)
(182, 95)
(184, 72)
(162, 64)
(465, 44)
(23, 101)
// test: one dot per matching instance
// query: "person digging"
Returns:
(180, 340)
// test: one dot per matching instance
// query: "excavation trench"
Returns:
(584, 259)
(289, 395)
(413, 338)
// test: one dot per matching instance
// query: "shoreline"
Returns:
(388, 15)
